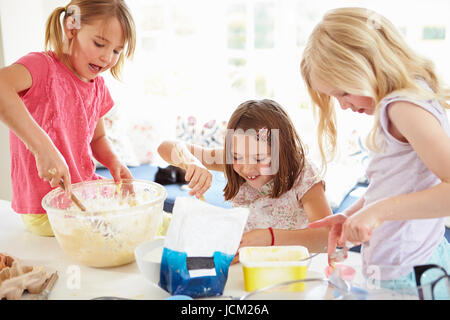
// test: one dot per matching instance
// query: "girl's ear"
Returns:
(70, 30)
(70, 27)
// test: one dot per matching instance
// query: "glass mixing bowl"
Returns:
(117, 219)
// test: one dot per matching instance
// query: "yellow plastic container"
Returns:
(265, 266)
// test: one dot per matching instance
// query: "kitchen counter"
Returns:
(80, 282)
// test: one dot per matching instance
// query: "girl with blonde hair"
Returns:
(266, 170)
(54, 101)
(357, 57)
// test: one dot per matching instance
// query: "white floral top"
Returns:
(285, 212)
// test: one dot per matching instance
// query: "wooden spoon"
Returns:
(73, 197)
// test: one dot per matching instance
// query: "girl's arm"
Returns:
(335, 221)
(425, 134)
(197, 162)
(211, 159)
(103, 152)
(316, 207)
(50, 164)
(431, 143)
(335, 224)
(427, 137)
(356, 206)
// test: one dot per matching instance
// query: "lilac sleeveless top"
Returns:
(396, 246)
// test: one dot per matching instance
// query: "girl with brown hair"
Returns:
(266, 170)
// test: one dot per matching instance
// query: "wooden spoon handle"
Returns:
(73, 197)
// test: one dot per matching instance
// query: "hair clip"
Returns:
(73, 11)
(263, 134)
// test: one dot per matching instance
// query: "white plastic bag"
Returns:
(200, 244)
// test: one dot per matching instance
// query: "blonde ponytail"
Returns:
(54, 33)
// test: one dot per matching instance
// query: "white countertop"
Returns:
(80, 282)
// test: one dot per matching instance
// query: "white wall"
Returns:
(5, 180)
(22, 30)
(5, 172)
(20, 21)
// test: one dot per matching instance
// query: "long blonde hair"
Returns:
(86, 11)
(360, 52)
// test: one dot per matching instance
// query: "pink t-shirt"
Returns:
(284, 212)
(68, 110)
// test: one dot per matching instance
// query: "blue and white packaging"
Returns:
(200, 244)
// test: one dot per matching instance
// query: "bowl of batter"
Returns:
(117, 219)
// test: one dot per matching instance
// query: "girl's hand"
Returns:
(335, 223)
(254, 238)
(358, 228)
(119, 172)
(52, 167)
(199, 179)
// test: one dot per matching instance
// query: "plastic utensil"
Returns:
(342, 254)
(345, 272)
(346, 290)
(339, 283)
(310, 257)
(355, 293)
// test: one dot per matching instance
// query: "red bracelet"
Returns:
(273, 238)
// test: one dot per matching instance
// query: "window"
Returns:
(264, 25)
(251, 39)
(237, 28)
(433, 33)
(204, 58)
(196, 52)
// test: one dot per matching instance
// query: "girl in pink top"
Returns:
(358, 58)
(266, 170)
(54, 102)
